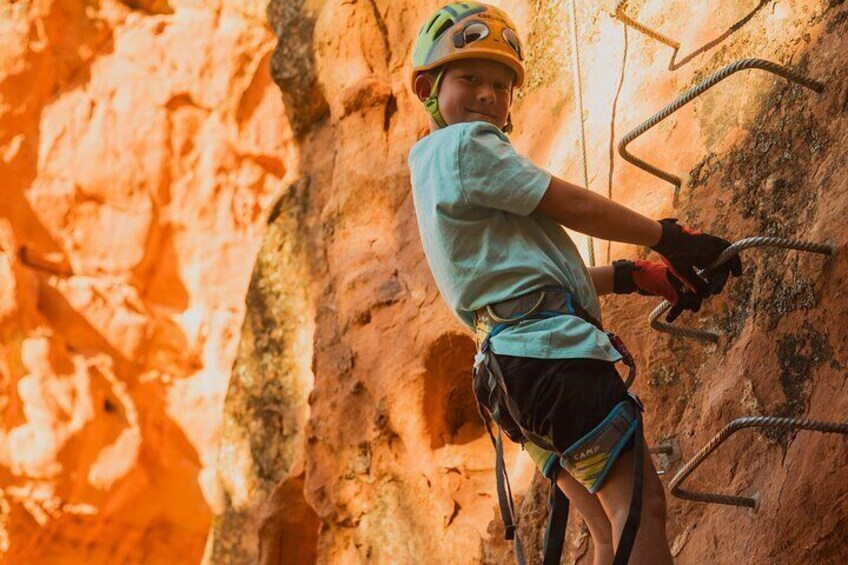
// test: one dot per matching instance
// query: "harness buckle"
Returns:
(479, 359)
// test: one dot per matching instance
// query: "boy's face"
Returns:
(473, 90)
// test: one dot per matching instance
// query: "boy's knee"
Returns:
(601, 534)
(599, 527)
(653, 500)
(653, 505)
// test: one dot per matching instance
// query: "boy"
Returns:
(491, 227)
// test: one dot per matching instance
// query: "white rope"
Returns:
(613, 112)
(578, 97)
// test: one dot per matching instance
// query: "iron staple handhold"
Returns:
(727, 254)
(696, 91)
(675, 485)
(664, 449)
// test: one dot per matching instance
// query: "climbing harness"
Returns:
(547, 302)
(733, 250)
(465, 30)
(693, 93)
(577, 74)
(730, 429)
(589, 459)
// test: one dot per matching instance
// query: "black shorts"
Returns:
(562, 399)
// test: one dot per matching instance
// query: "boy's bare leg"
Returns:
(651, 547)
(588, 506)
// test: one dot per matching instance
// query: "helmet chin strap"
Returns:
(508, 126)
(432, 101)
(431, 104)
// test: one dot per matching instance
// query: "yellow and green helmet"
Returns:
(465, 30)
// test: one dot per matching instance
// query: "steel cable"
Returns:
(735, 249)
(730, 429)
(696, 91)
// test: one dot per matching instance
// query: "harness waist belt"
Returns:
(545, 302)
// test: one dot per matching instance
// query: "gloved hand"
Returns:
(683, 250)
(654, 279)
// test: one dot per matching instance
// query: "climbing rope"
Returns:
(578, 97)
(622, 16)
(759, 241)
(696, 91)
(613, 113)
(730, 429)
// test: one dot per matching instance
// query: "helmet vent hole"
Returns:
(430, 23)
(442, 29)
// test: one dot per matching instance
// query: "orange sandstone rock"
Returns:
(141, 144)
(386, 451)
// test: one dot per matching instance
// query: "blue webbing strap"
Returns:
(504, 491)
(506, 507)
(557, 521)
(558, 511)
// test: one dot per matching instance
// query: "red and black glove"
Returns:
(683, 251)
(654, 279)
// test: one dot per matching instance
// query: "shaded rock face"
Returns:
(393, 464)
(141, 145)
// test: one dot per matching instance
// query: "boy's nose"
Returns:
(486, 92)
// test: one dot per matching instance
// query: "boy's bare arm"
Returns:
(602, 278)
(587, 212)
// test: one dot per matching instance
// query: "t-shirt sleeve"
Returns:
(494, 175)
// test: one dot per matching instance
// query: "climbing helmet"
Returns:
(465, 30)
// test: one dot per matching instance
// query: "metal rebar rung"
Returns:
(629, 21)
(662, 449)
(727, 254)
(696, 91)
(730, 429)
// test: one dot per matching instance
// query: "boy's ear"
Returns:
(423, 86)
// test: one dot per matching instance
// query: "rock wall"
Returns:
(142, 145)
(376, 442)
(319, 409)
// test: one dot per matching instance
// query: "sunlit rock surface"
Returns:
(166, 162)
(142, 144)
(393, 462)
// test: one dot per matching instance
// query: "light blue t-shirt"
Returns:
(474, 197)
